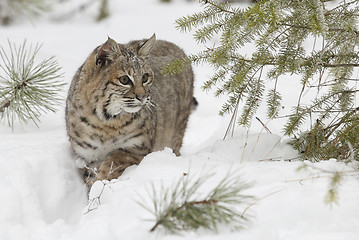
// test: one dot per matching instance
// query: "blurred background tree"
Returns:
(14, 10)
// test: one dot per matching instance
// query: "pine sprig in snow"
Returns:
(184, 206)
(27, 89)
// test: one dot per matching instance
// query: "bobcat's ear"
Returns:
(107, 52)
(145, 49)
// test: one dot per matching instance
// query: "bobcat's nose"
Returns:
(141, 97)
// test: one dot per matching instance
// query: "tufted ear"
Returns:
(145, 49)
(107, 52)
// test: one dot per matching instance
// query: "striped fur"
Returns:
(120, 107)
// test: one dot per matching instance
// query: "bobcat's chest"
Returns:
(96, 147)
(96, 139)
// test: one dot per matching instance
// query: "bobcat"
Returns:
(120, 107)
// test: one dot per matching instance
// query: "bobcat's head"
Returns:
(123, 79)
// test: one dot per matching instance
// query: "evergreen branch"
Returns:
(103, 11)
(335, 179)
(4, 104)
(181, 207)
(341, 65)
(329, 29)
(274, 103)
(280, 31)
(10, 10)
(253, 100)
(345, 173)
(186, 206)
(345, 119)
(27, 90)
(343, 5)
(221, 7)
(176, 66)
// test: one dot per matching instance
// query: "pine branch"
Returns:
(11, 10)
(341, 65)
(27, 89)
(335, 180)
(221, 7)
(279, 30)
(185, 206)
(329, 29)
(103, 11)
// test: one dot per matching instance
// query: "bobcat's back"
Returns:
(120, 106)
(172, 96)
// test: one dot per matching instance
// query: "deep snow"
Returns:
(41, 196)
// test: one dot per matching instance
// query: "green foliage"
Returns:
(274, 103)
(279, 32)
(337, 140)
(14, 9)
(27, 89)
(185, 205)
(335, 179)
(332, 195)
(103, 11)
(100, 6)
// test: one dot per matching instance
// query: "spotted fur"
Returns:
(120, 106)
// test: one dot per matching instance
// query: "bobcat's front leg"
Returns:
(115, 164)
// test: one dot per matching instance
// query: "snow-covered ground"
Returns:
(42, 197)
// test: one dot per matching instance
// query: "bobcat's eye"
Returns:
(124, 80)
(145, 77)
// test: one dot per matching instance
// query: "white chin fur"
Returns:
(117, 108)
(132, 110)
(114, 109)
